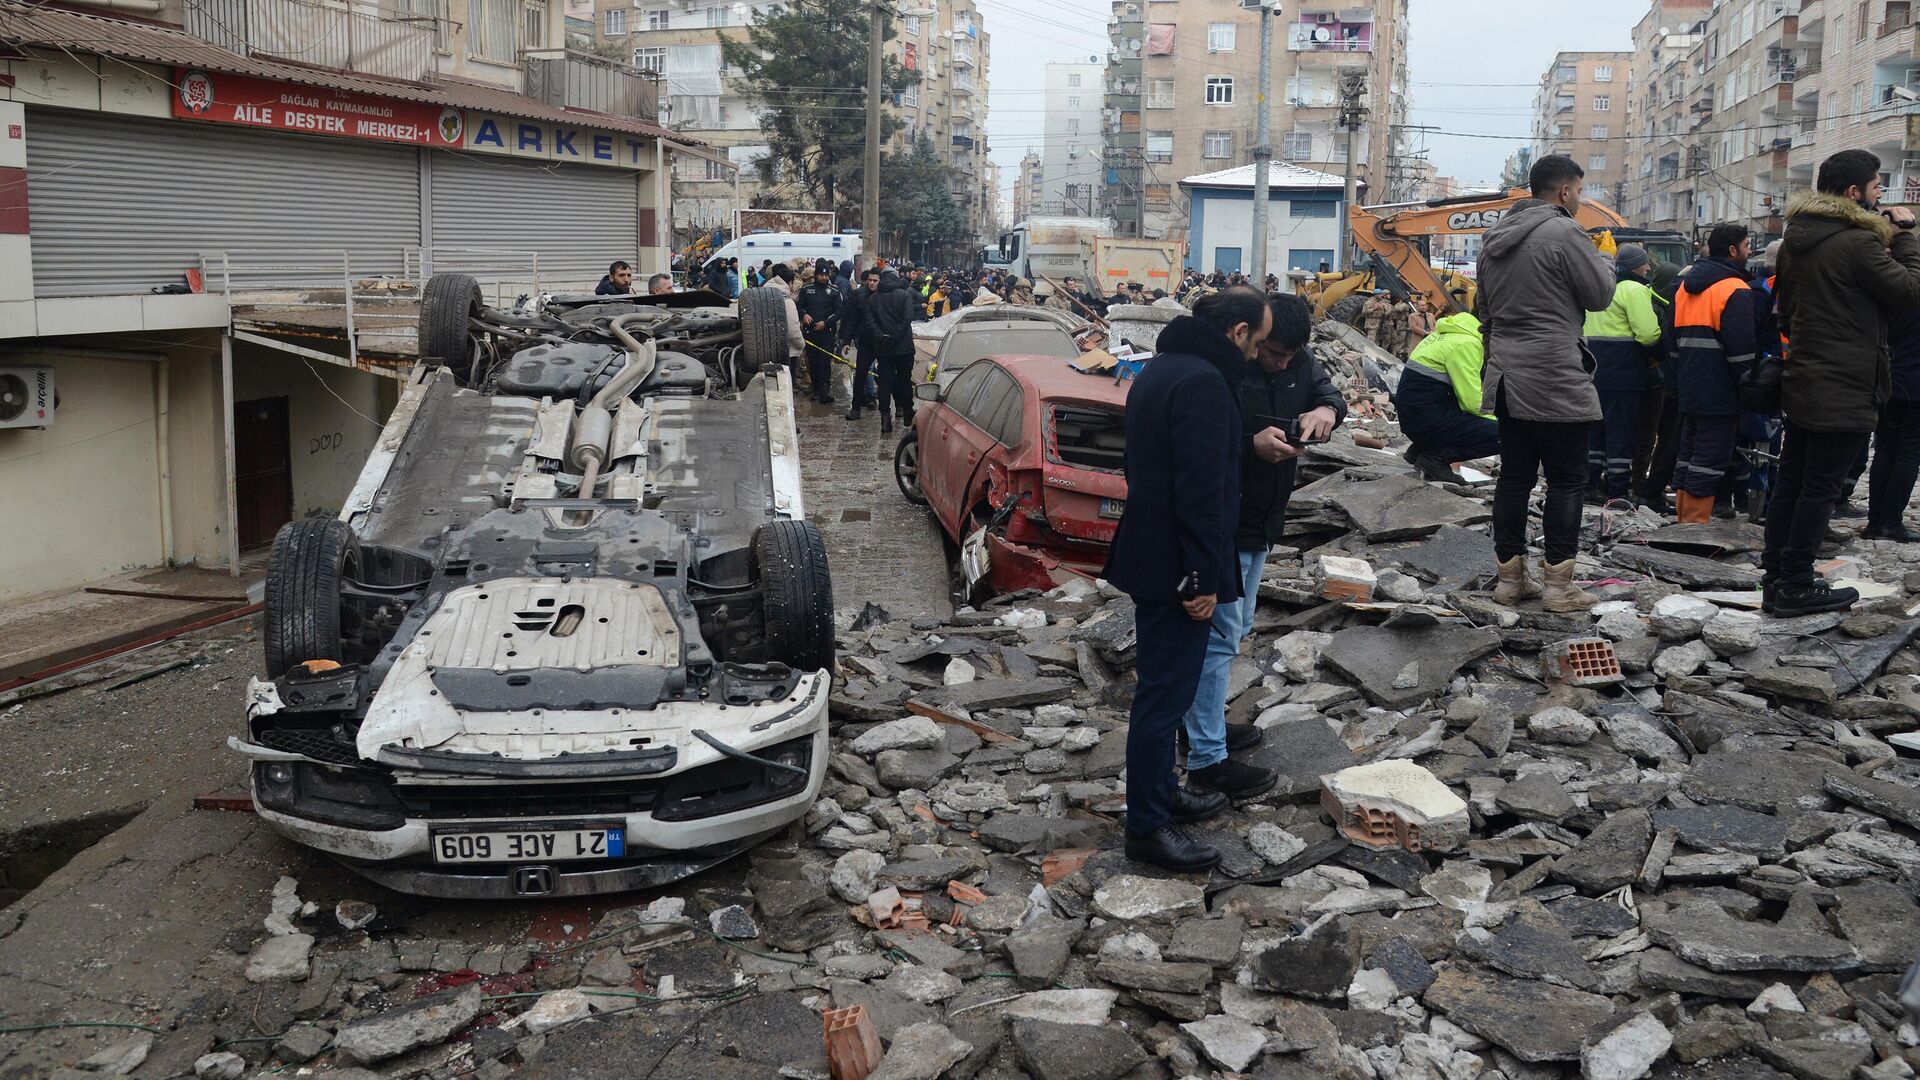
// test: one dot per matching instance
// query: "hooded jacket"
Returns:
(1183, 469)
(1539, 276)
(886, 324)
(1622, 337)
(1715, 335)
(1454, 353)
(1842, 270)
(1266, 486)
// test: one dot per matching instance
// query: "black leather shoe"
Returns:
(1190, 806)
(854, 414)
(1239, 737)
(1170, 848)
(1896, 533)
(886, 423)
(1769, 589)
(1438, 470)
(1792, 599)
(1847, 511)
(1235, 780)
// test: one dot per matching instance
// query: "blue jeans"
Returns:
(1206, 719)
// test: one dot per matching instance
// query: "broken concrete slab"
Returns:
(1130, 898)
(1533, 1021)
(1049, 1051)
(1703, 933)
(1883, 797)
(1395, 804)
(1725, 828)
(1300, 752)
(1533, 947)
(1402, 507)
(424, 1022)
(1881, 922)
(1396, 668)
(1758, 780)
(1686, 571)
(1610, 856)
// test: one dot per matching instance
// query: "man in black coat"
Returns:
(888, 326)
(1284, 383)
(1174, 551)
(819, 304)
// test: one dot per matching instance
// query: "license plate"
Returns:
(1112, 508)
(525, 844)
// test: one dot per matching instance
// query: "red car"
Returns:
(1020, 458)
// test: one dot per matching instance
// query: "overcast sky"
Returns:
(1504, 45)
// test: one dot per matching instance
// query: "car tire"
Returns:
(312, 559)
(790, 563)
(446, 305)
(906, 468)
(1346, 309)
(763, 328)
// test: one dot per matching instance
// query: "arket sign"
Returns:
(261, 103)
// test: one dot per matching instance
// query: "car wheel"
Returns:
(312, 559)
(906, 468)
(1346, 309)
(447, 305)
(790, 563)
(763, 328)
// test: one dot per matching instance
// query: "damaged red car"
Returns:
(1021, 460)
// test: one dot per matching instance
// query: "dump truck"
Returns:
(1057, 248)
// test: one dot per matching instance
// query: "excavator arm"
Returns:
(1392, 234)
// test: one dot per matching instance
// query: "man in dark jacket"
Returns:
(618, 282)
(1715, 329)
(1283, 383)
(853, 334)
(1896, 442)
(1539, 276)
(1659, 448)
(716, 276)
(819, 303)
(1174, 552)
(1843, 269)
(1621, 339)
(886, 335)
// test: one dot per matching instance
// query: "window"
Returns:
(1565, 73)
(1860, 16)
(1602, 103)
(1299, 209)
(1603, 73)
(1217, 144)
(493, 30)
(718, 170)
(1296, 146)
(1159, 146)
(1073, 125)
(719, 16)
(657, 20)
(616, 22)
(1596, 162)
(1597, 131)
(1073, 80)
(1899, 15)
(650, 59)
(1219, 89)
(1073, 101)
(913, 26)
(1220, 37)
(1073, 149)
(996, 408)
(1159, 93)
(1309, 259)
(536, 11)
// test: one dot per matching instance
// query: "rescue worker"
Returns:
(1373, 317)
(1714, 328)
(820, 303)
(1438, 400)
(1399, 319)
(1622, 339)
(1021, 293)
(937, 302)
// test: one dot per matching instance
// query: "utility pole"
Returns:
(870, 202)
(1353, 83)
(1262, 145)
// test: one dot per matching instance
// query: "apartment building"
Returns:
(1181, 95)
(1026, 186)
(1659, 118)
(1071, 140)
(705, 99)
(1580, 110)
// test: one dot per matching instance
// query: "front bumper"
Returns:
(659, 851)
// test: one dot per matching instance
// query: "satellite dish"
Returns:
(742, 13)
(1321, 33)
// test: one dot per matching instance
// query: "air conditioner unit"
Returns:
(1325, 17)
(27, 397)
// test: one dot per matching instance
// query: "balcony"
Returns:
(575, 80)
(962, 56)
(1312, 34)
(321, 35)
(964, 142)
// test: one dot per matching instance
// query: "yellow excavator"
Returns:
(1394, 236)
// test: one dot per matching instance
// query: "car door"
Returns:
(977, 437)
(943, 476)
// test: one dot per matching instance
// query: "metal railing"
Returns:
(504, 275)
(323, 35)
(576, 80)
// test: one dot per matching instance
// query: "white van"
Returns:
(755, 248)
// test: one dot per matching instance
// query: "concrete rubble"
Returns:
(1703, 861)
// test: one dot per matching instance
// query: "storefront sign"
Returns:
(313, 110)
(494, 134)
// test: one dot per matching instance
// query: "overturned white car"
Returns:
(571, 632)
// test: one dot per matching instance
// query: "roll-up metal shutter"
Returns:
(121, 204)
(578, 218)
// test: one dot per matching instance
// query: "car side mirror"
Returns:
(927, 391)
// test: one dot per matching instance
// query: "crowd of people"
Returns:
(1611, 375)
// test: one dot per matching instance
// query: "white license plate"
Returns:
(1112, 508)
(529, 845)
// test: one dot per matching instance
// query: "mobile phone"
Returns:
(1291, 429)
(1190, 585)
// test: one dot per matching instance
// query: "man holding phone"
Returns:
(1286, 402)
(1174, 551)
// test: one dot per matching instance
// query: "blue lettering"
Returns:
(532, 137)
(603, 148)
(636, 146)
(563, 143)
(489, 135)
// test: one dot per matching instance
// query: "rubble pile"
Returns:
(1666, 838)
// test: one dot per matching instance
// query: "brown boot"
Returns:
(1515, 585)
(1560, 593)
(1694, 509)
